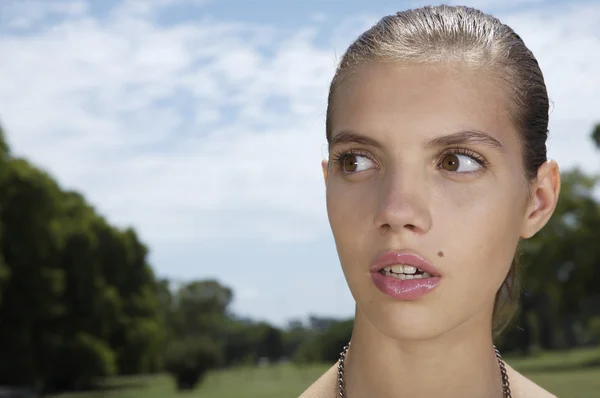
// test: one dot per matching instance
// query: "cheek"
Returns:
(349, 203)
(350, 212)
(481, 224)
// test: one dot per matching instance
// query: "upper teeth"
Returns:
(402, 269)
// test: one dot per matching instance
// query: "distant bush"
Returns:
(246, 342)
(326, 345)
(80, 362)
(187, 361)
(594, 328)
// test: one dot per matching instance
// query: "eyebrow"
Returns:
(473, 137)
(462, 137)
(351, 137)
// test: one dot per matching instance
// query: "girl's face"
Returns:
(426, 160)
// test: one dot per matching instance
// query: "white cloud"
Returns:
(84, 102)
(149, 9)
(567, 46)
(23, 14)
(486, 5)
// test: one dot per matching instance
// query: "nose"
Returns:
(403, 203)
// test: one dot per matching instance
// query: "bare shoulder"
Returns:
(324, 387)
(522, 387)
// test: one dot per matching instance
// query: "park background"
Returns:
(162, 207)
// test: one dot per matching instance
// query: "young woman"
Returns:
(437, 125)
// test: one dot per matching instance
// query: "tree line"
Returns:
(77, 296)
(79, 301)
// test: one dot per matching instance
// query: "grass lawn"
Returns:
(572, 374)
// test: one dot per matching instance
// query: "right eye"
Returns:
(353, 163)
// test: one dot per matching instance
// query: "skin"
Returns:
(407, 191)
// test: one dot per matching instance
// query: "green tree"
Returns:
(31, 244)
(325, 344)
(198, 320)
(561, 263)
(78, 300)
(137, 336)
(4, 148)
(596, 135)
(270, 344)
(293, 336)
(200, 308)
(4, 157)
(188, 360)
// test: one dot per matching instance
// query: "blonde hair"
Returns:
(444, 35)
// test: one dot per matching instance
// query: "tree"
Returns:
(78, 300)
(4, 154)
(197, 332)
(4, 148)
(137, 336)
(559, 276)
(31, 243)
(293, 336)
(325, 345)
(596, 135)
(270, 344)
(189, 360)
(200, 308)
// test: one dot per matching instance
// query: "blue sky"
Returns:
(201, 124)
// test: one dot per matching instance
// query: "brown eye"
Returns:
(460, 163)
(350, 164)
(450, 162)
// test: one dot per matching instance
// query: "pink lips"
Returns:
(407, 289)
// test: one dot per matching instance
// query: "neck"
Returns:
(460, 363)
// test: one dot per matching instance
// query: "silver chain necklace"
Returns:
(342, 383)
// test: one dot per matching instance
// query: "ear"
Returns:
(325, 166)
(544, 196)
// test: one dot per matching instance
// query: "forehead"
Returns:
(420, 101)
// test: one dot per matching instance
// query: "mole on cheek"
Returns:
(441, 253)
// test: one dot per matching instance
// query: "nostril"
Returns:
(411, 227)
(385, 228)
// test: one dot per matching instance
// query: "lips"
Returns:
(404, 287)
(404, 257)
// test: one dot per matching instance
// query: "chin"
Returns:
(406, 320)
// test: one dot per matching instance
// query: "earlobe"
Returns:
(544, 199)
(325, 166)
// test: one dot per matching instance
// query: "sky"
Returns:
(201, 124)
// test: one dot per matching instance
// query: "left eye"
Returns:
(460, 163)
(353, 163)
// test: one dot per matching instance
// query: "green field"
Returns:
(572, 374)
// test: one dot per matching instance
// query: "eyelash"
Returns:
(338, 158)
(467, 152)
